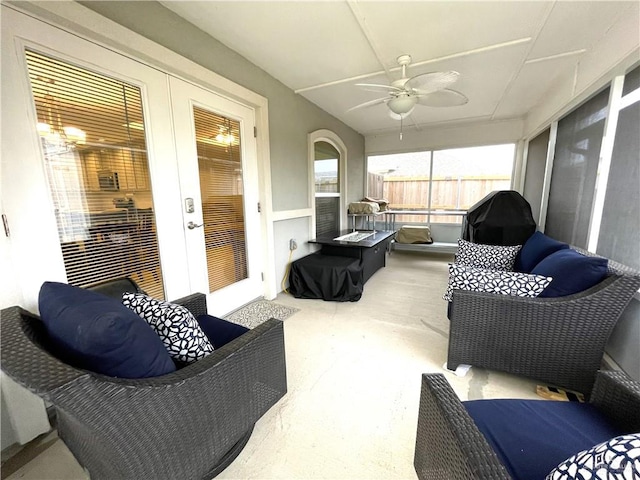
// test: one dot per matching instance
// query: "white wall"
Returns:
(442, 137)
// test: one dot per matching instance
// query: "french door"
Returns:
(223, 261)
(217, 162)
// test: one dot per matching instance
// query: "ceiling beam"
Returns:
(466, 53)
(362, 22)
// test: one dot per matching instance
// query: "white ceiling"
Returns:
(508, 53)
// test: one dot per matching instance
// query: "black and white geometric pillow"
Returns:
(175, 325)
(494, 257)
(615, 459)
(464, 277)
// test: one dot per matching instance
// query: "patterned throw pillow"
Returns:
(464, 277)
(494, 257)
(175, 325)
(615, 459)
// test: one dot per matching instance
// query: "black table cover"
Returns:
(327, 277)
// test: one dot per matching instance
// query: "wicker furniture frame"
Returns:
(449, 446)
(559, 341)
(189, 424)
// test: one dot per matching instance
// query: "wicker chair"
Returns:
(559, 340)
(449, 446)
(189, 424)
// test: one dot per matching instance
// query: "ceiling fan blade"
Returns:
(370, 103)
(443, 98)
(376, 87)
(432, 82)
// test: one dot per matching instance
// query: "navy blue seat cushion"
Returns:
(531, 437)
(571, 271)
(537, 247)
(98, 333)
(219, 331)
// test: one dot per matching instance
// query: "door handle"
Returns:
(192, 225)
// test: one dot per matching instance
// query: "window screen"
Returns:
(575, 165)
(534, 176)
(327, 220)
(631, 81)
(326, 168)
(620, 225)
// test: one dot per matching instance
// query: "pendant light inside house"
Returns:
(56, 137)
(224, 135)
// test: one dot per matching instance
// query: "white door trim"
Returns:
(73, 17)
(184, 97)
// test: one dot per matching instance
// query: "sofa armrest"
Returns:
(25, 361)
(227, 391)
(618, 396)
(196, 303)
(557, 340)
(448, 443)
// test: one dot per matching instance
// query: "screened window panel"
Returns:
(326, 168)
(326, 176)
(404, 180)
(92, 133)
(575, 165)
(463, 176)
(631, 81)
(458, 179)
(534, 176)
(620, 228)
(221, 188)
(327, 216)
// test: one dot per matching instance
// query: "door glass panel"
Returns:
(221, 188)
(92, 133)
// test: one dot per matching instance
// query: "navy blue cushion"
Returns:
(219, 331)
(534, 250)
(100, 334)
(571, 271)
(531, 437)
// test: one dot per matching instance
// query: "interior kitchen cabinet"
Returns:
(109, 168)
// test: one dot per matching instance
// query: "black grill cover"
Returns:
(501, 218)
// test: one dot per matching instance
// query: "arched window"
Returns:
(327, 158)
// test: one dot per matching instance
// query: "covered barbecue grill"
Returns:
(501, 218)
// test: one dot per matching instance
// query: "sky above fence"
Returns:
(493, 160)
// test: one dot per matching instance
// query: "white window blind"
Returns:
(218, 144)
(91, 128)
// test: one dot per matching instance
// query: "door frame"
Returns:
(87, 24)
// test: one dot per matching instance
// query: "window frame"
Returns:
(432, 216)
(336, 142)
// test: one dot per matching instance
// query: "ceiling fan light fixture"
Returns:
(402, 104)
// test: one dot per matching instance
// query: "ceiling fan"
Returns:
(430, 89)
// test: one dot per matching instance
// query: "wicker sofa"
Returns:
(449, 445)
(559, 340)
(189, 424)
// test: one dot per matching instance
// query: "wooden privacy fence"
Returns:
(412, 193)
